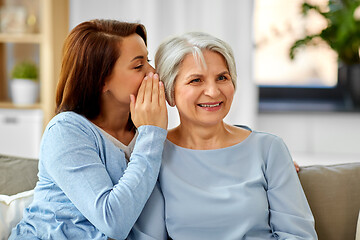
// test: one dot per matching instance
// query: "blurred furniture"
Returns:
(21, 131)
(43, 44)
(333, 192)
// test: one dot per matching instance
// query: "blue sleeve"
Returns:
(151, 223)
(290, 214)
(71, 156)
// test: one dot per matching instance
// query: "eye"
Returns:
(139, 66)
(222, 78)
(194, 81)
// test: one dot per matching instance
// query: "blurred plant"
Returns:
(342, 33)
(25, 70)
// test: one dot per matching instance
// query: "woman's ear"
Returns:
(105, 87)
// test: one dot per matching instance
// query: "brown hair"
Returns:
(89, 55)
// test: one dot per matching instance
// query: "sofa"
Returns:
(333, 193)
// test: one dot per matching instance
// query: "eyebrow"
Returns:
(137, 57)
(224, 72)
(194, 76)
(200, 75)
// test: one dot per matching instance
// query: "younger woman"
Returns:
(98, 164)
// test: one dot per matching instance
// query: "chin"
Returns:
(210, 121)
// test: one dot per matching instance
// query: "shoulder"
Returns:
(268, 138)
(273, 146)
(263, 140)
(69, 130)
(70, 118)
(257, 135)
(260, 135)
(70, 122)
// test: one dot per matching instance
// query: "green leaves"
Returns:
(342, 33)
(26, 70)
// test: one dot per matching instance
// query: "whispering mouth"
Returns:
(210, 105)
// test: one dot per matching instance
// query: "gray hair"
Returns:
(171, 53)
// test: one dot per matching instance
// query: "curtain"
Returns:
(230, 20)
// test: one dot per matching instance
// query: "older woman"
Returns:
(218, 181)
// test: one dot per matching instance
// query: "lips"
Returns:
(210, 106)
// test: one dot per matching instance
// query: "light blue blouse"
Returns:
(86, 188)
(247, 191)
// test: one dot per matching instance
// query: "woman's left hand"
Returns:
(149, 107)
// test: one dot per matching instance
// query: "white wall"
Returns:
(316, 137)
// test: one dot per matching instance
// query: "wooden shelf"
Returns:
(7, 104)
(20, 38)
(47, 46)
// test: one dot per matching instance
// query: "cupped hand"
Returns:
(149, 106)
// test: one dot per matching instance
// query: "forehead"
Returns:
(132, 46)
(211, 62)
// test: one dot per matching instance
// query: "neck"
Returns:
(200, 137)
(114, 119)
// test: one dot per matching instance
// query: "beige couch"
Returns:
(333, 192)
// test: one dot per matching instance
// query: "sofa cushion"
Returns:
(17, 174)
(333, 193)
(11, 211)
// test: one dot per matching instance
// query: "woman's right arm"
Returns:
(72, 160)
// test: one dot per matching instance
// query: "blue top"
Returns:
(246, 191)
(86, 188)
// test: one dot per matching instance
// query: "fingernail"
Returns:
(145, 78)
(156, 75)
(151, 74)
(161, 83)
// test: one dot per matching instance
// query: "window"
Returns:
(312, 76)
(278, 24)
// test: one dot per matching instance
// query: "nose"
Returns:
(149, 69)
(211, 89)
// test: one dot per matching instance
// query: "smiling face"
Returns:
(129, 70)
(203, 96)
